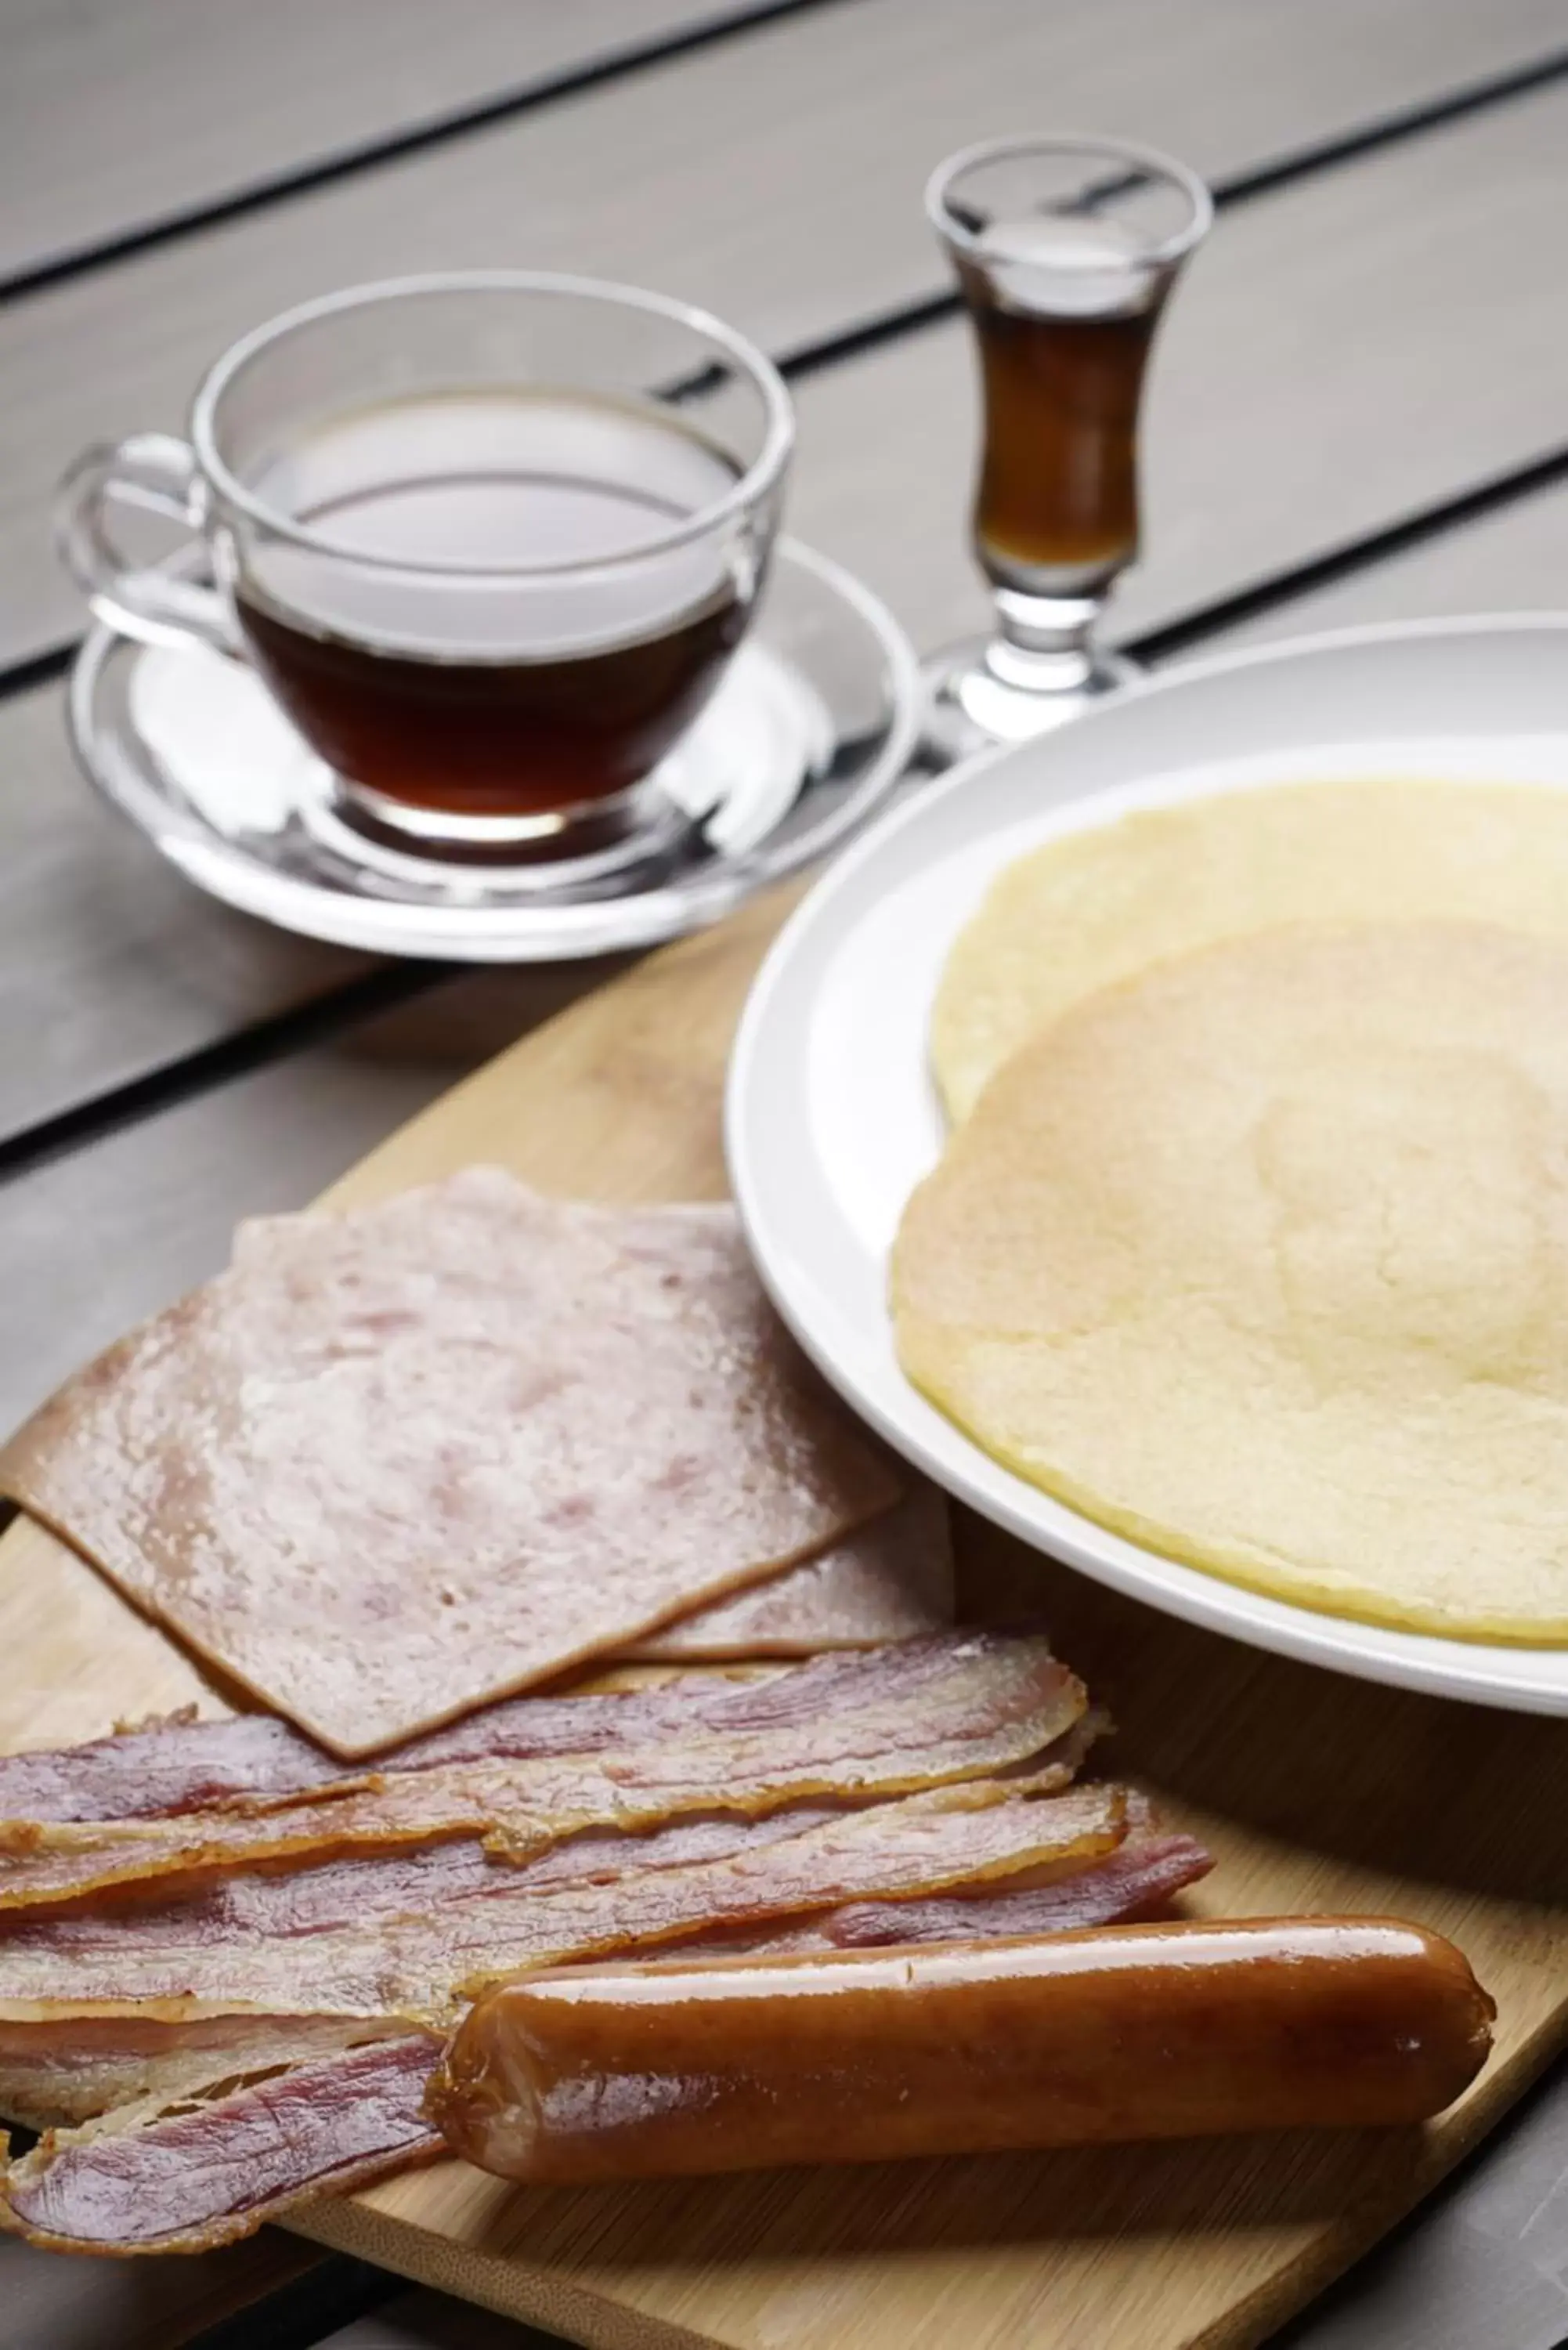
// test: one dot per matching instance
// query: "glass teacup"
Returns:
(490, 538)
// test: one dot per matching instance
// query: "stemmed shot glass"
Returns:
(1066, 250)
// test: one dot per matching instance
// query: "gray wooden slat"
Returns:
(1512, 560)
(1294, 405)
(1485, 2262)
(119, 113)
(53, 2302)
(109, 963)
(775, 177)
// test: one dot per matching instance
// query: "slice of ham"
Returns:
(1001, 1700)
(183, 2181)
(421, 1969)
(168, 2184)
(888, 1580)
(182, 1764)
(394, 1463)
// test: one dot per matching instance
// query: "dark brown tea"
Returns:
(1063, 340)
(451, 668)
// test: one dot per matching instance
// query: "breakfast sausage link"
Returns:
(1142, 2032)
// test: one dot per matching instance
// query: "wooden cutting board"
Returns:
(1315, 1792)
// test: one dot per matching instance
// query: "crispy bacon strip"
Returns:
(182, 2181)
(1001, 1702)
(184, 1766)
(258, 1905)
(1136, 1882)
(421, 1968)
(180, 1765)
(52, 2075)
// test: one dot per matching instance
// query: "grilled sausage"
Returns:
(1141, 2032)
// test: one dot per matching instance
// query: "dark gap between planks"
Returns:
(308, 2309)
(393, 147)
(340, 1009)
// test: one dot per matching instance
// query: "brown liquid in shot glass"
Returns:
(533, 695)
(1063, 352)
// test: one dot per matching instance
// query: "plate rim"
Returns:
(1461, 1669)
(642, 919)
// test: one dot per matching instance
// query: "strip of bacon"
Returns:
(187, 2180)
(421, 1968)
(999, 1701)
(52, 2075)
(184, 1766)
(258, 1905)
(1136, 1882)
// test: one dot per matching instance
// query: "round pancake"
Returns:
(1262, 1258)
(1098, 906)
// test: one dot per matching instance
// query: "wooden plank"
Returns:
(1316, 1793)
(1259, 455)
(695, 176)
(121, 115)
(53, 2304)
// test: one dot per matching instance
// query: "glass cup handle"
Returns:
(157, 473)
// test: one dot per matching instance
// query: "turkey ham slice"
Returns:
(396, 1462)
(889, 1580)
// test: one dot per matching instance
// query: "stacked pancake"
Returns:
(1250, 1241)
(389, 1473)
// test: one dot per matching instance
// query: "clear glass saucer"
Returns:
(806, 737)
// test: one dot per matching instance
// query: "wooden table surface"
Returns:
(1359, 412)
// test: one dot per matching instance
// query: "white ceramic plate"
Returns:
(831, 1115)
